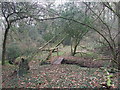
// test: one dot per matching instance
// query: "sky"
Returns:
(62, 1)
(57, 2)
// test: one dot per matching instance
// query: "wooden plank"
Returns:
(58, 61)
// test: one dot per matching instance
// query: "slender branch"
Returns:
(109, 7)
(40, 49)
(49, 55)
(17, 19)
(109, 31)
(99, 15)
(47, 43)
(116, 35)
(60, 41)
(111, 47)
(37, 19)
(81, 24)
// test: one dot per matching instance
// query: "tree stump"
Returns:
(23, 67)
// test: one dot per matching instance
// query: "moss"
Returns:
(17, 60)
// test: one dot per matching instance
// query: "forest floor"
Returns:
(56, 76)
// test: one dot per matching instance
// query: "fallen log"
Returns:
(78, 61)
(58, 61)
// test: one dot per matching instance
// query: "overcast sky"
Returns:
(61, 1)
(57, 2)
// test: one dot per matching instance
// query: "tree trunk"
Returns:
(75, 48)
(118, 11)
(4, 44)
(76, 42)
(71, 46)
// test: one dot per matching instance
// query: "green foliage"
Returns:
(13, 51)
(72, 28)
(109, 81)
(47, 36)
(67, 41)
(108, 77)
(75, 30)
(28, 51)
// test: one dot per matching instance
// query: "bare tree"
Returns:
(118, 11)
(108, 36)
(13, 12)
(117, 14)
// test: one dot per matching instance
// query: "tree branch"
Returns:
(109, 7)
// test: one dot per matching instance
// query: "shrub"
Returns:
(13, 51)
(47, 36)
(16, 50)
(28, 51)
(105, 50)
